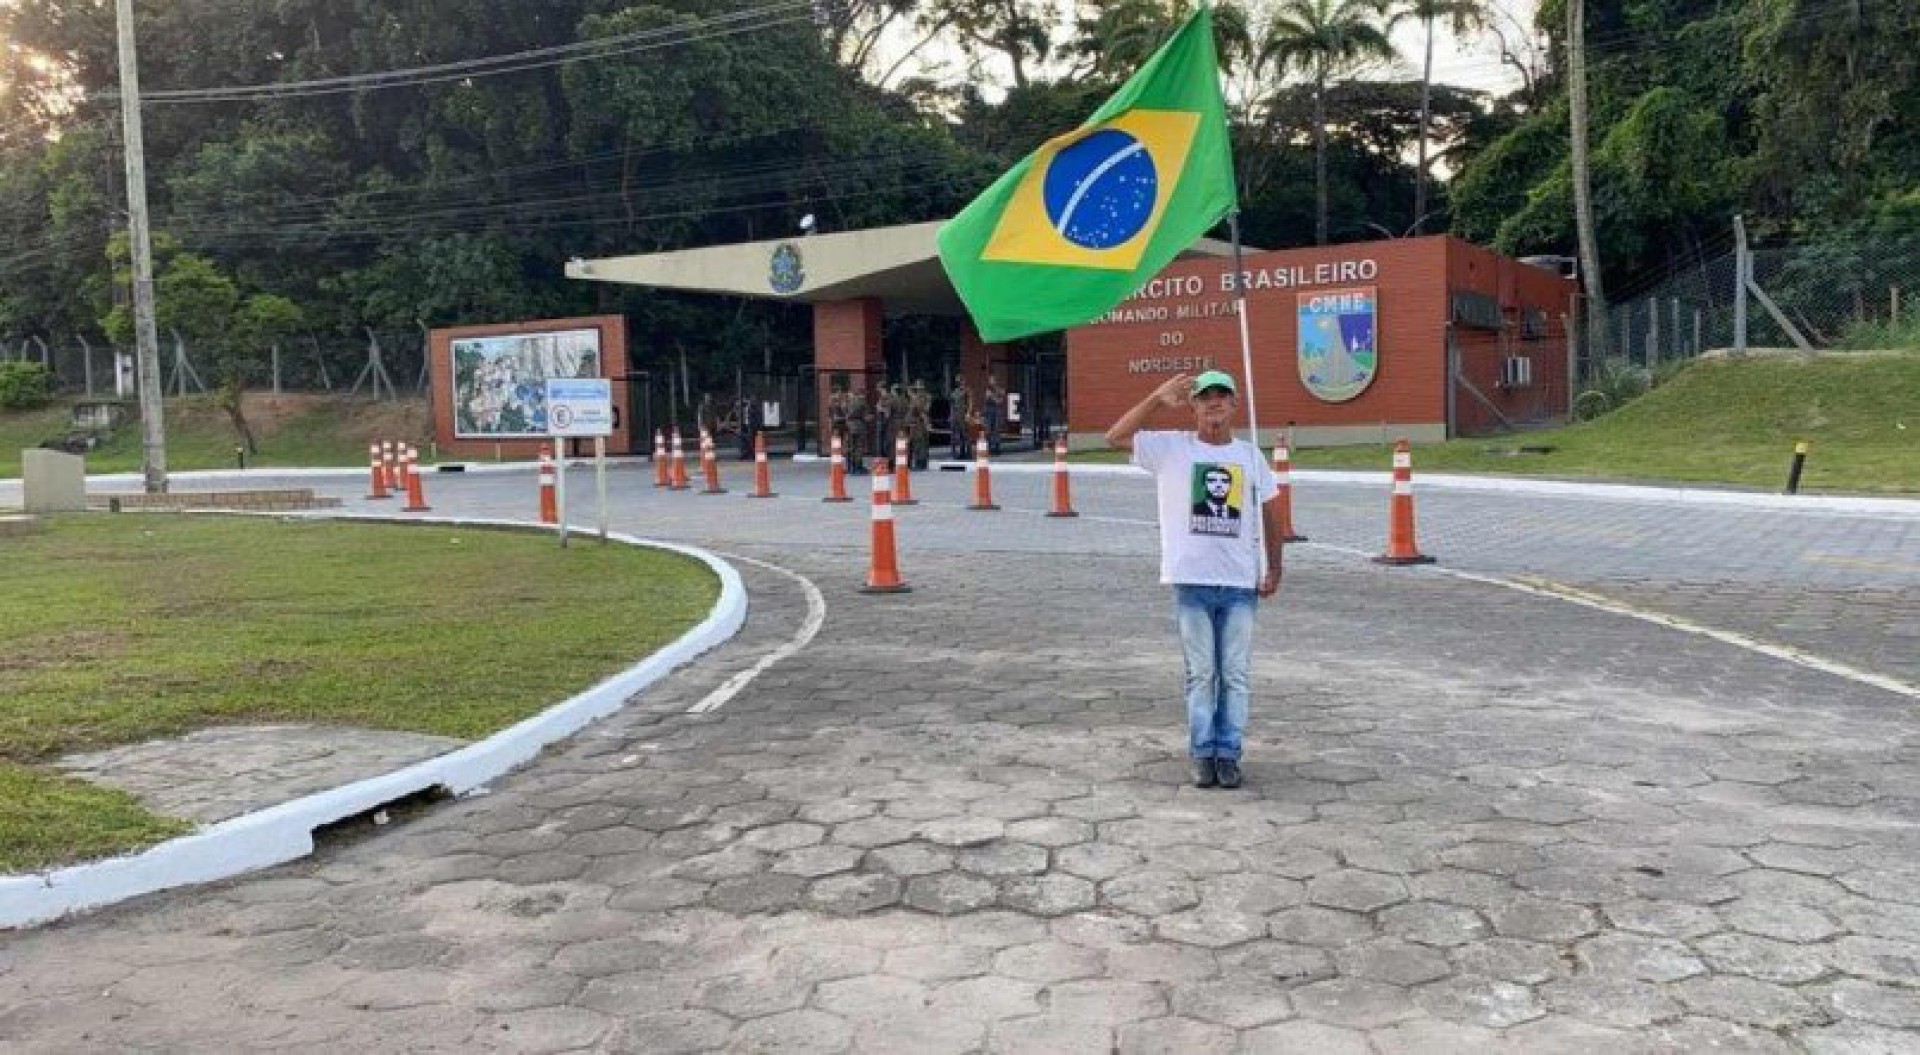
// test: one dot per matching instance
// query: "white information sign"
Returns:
(579, 407)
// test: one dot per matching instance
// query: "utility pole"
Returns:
(1582, 182)
(153, 432)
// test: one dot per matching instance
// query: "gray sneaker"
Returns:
(1227, 771)
(1204, 775)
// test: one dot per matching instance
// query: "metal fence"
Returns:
(379, 365)
(1811, 296)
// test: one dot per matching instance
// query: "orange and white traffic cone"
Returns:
(402, 469)
(902, 473)
(982, 477)
(1400, 545)
(1062, 491)
(387, 463)
(661, 473)
(837, 474)
(549, 508)
(710, 465)
(416, 496)
(379, 488)
(762, 474)
(679, 463)
(1283, 487)
(883, 574)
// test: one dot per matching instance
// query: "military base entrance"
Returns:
(1420, 337)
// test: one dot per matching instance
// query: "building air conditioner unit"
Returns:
(1517, 372)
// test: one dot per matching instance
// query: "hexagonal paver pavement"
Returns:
(955, 824)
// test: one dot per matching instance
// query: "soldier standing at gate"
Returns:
(992, 406)
(743, 412)
(959, 420)
(920, 422)
(883, 422)
(859, 420)
(751, 422)
(899, 414)
(837, 417)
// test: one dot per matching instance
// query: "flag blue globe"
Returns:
(1100, 191)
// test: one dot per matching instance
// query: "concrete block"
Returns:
(53, 481)
(12, 526)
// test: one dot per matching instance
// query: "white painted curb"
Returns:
(285, 832)
(291, 472)
(1860, 504)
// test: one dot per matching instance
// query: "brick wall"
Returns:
(1484, 352)
(1106, 373)
(846, 339)
(1112, 364)
(613, 364)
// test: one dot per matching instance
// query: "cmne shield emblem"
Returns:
(1338, 351)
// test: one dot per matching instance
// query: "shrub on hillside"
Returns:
(24, 386)
(1612, 382)
(1884, 335)
(1618, 381)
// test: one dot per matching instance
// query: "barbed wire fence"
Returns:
(375, 365)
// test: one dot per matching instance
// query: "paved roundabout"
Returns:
(1476, 818)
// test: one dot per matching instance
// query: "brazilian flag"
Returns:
(1089, 217)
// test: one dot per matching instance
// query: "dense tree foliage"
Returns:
(1799, 114)
(330, 207)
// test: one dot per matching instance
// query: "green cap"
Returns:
(1214, 379)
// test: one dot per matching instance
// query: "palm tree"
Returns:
(1462, 16)
(1121, 35)
(1320, 38)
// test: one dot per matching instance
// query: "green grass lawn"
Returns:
(1717, 422)
(292, 431)
(126, 628)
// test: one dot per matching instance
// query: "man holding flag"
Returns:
(1074, 229)
(1205, 480)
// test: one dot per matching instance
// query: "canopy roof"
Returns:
(899, 265)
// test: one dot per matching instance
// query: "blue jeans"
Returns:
(1216, 638)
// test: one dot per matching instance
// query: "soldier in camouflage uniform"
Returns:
(883, 422)
(959, 418)
(919, 424)
(837, 418)
(993, 406)
(859, 421)
(898, 412)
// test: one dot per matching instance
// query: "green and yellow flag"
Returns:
(1089, 217)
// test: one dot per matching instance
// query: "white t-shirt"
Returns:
(1208, 527)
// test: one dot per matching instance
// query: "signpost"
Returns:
(580, 407)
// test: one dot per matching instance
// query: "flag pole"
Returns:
(1253, 418)
(1246, 339)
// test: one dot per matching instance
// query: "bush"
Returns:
(24, 386)
(1887, 335)
(1612, 383)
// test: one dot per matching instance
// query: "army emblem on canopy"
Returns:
(785, 273)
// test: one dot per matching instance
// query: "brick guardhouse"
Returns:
(1425, 337)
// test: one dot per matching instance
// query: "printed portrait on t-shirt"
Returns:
(1219, 490)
